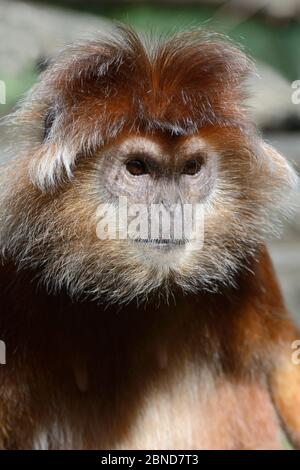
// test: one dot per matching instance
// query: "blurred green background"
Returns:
(268, 30)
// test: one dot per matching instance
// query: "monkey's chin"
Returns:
(164, 244)
(165, 254)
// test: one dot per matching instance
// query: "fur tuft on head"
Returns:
(95, 90)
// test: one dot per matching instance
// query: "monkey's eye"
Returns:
(191, 167)
(136, 167)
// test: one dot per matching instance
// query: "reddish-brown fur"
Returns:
(239, 336)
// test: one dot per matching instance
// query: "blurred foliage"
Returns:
(17, 85)
(272, 42)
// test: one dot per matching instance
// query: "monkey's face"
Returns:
(152, 191)
(148, 175)
(132, 219)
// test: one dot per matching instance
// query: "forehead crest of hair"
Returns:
(96, 89)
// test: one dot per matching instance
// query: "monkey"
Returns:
(144, 341)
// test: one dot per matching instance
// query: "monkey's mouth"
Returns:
(161, 242)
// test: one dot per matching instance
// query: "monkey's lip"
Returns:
(161, 242)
